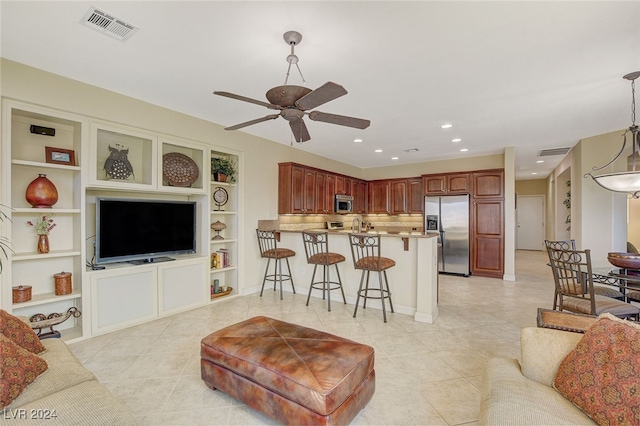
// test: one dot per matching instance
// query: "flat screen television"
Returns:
(141, 231)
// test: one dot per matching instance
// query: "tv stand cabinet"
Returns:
(127, 295)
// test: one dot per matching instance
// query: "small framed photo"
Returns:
(60, 156)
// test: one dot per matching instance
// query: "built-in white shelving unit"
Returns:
(120, 295)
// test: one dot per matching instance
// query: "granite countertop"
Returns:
(403, 234)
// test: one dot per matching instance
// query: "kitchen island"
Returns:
(413, 281)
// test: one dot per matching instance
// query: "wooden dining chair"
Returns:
(573, 279)
(601, 290)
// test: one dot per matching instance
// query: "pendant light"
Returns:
(627, 182)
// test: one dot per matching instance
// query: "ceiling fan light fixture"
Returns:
(625, 182)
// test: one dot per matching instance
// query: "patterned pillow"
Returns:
(20, 332)
(18, 368)
(601, 376)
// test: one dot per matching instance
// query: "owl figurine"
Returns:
(117, 165)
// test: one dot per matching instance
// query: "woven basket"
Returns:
(63, 283)
(21, 293)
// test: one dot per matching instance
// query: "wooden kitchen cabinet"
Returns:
(330, 192)
(344, 185)
(360, 196)
(487, 255)
(379, 194)
(444, 184)
(320, 190)
(416, 197)
(296, 189)
(399, 196)
(488, 184)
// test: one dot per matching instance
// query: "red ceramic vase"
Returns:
(41, 192)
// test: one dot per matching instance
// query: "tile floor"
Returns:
(426, 374)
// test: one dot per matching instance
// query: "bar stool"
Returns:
(269, 249)
(316, 247)
(365, 249)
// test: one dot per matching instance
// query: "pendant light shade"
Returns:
(627, 182)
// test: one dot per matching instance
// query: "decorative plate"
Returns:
(179, 169)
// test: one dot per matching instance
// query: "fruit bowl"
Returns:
(625, 260)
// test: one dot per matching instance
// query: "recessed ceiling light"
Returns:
(534, 173)
(540, 161)
(447, 126)
(456, 140)
(464, 150)
(357, 140)
(394, 158)
(378, 150)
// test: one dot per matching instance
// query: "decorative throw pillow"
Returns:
(601, 376)
(20, 332)
(18, 368)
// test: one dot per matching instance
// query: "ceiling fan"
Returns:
(294, 102)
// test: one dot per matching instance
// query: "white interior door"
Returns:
(530, 222)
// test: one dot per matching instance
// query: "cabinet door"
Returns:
(330, 192)
(297, 190)
(379, 196)
(488, 238)
(348, 186)
(320, 193)
(360, 196)
(434, 184)
(398, 196)
(309, 194)
(488, 184)
(415, 197)
(458, 184)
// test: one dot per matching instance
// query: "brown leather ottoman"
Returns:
(290, 373)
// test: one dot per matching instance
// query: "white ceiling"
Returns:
(534, 75)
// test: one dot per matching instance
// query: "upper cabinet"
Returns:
(360, 189)
(379, 196)
(488, 184)
(442, 184)
(406, 196)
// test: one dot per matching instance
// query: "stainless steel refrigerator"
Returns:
(449, 216)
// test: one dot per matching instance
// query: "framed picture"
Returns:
(60, 156)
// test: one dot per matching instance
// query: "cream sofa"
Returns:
(521, 394)
(67, 391)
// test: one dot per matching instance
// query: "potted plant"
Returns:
(223, 169)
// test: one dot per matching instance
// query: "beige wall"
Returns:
(261, 156)
(462, 164)
(531, 187)
(598, 216)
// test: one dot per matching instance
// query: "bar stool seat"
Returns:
(269, 249)
(316, 247)
(365, 250)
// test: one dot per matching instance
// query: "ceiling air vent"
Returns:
(410, 150)
(108, 24)
(553, 151)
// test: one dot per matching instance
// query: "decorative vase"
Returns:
(41, 192)
(43, 244)
(218, 226)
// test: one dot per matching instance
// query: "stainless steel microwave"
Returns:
(343, 204)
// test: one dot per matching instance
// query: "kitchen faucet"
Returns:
(359, 222)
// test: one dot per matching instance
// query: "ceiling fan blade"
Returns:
(256, 121)
(323, 94)
(342, 120)
(245, 99)
(299, 129)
